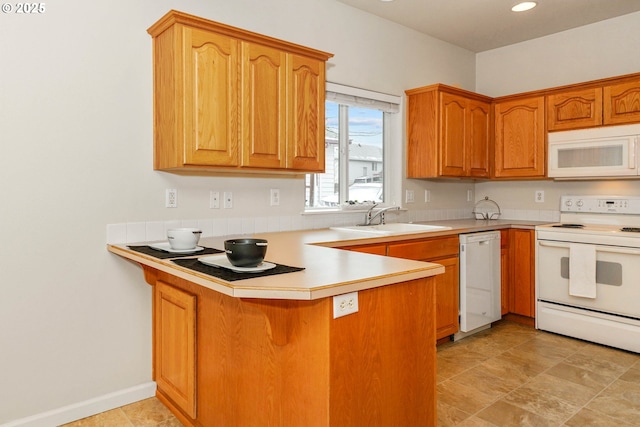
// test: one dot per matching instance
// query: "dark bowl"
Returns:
(245, 252)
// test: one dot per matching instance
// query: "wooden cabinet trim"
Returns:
(176, 17)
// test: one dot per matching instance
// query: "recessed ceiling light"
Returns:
(525, 5)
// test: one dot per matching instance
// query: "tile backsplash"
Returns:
(150, 231)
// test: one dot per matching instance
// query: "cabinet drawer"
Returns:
(425, 249)
(369, 249)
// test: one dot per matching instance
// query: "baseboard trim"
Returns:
(87, 408)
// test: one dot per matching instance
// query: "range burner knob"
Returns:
(569, 203)
(580, 203)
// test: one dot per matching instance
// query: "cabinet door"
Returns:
(305, 136)
(505, 272)
(574, 109)
(210, 101)
(175, 342)
(622, 103)
(520, 138)
(479, 138)
(264, 106)
(453, 135)
(523, 275)
(422, 135)
(465, 134)
(443, 251)
(447, 298)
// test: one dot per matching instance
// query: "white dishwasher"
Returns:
(479, 282)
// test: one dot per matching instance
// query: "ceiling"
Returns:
(480, 25)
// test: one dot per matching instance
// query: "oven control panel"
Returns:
(601, 204)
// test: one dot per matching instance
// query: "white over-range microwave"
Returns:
(604, 152)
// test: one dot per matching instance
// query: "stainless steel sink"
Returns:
(393, 228)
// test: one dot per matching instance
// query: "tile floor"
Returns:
(146, 413)
(508, 376)
(513, 375)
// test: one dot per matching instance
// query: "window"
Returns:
(357, 149)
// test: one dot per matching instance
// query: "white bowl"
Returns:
(183, 238)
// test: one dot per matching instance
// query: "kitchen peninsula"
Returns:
(268, 350)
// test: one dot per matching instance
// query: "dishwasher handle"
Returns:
(482, 237)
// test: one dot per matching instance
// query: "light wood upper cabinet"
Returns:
(305, 148)
(574, 109)
(520, 138)
(449, 133)
(264, 106)
(229, 99)
(481, 138)
(210, 106)
(594, 104)
(622, 103)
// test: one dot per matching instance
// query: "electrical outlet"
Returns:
(469, 195)
(171, 198)
(345, 304)
(214, 200)
(275, 197)
(427, 196)
(409, 197)
(539, 196)
(228, 200)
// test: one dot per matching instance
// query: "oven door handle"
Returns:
(610, 249)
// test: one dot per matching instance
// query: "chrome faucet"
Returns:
(370, 216)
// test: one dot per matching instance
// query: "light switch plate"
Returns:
(228, 200)
(214, 200)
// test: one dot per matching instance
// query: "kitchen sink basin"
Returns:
(393, 228)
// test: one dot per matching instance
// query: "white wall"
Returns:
(76, 155)
(605, 49)
(596, 51)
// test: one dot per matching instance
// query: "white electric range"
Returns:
(588, 271)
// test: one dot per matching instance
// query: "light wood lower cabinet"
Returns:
(517, 264)
(505, 272)
(448, 298)
(260, 362)
(175, 345)
(442, 251)
(522, 285)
